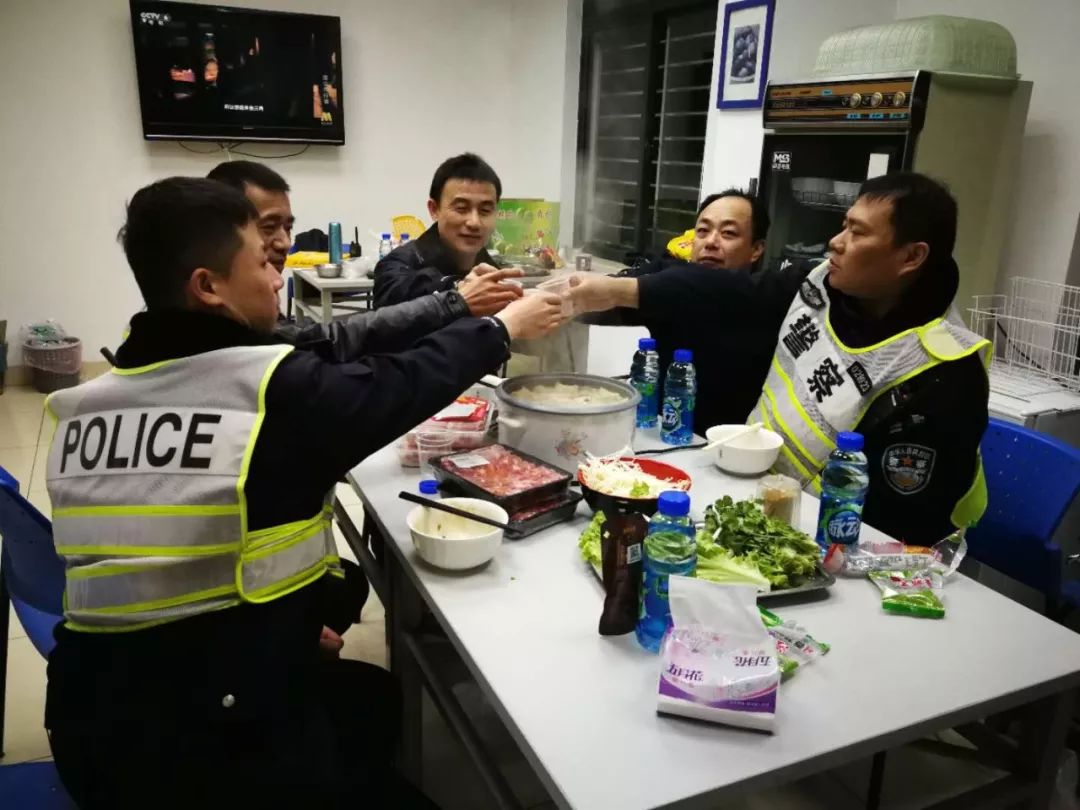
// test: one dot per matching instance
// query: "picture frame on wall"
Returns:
(744, 55)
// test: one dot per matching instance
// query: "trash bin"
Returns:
(53, 365)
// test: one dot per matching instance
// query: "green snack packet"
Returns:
(910, 592)
(794, 646)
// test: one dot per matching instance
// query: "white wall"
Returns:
(420, 83)
(1045, 238)
(733, 137)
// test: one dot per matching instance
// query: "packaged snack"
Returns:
(912, 593)
(794, 646)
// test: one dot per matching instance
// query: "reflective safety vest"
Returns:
(146, 473)
(818, 387)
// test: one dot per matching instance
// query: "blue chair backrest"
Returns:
(1031, 479)
(33, 571)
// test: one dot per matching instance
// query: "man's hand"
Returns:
(533, 316)
(484, 291)
(593, 293)
(330, 643)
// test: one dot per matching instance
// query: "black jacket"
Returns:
(731, 358)
(390, 329)
(731, 320)
(418, 268)
(165, 685)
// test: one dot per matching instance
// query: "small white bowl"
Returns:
(448, 541)
(752, 454)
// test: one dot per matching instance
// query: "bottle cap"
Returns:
(646, 344)
(684, 356)
(674, 502)
(386, 236)
(429, 486)
(404, 237)
(852, 442)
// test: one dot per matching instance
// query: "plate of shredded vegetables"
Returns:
(627, 483)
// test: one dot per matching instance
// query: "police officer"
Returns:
(390, 329)
(864, 342)
(462, 202)
(729, 233)
(188, 672)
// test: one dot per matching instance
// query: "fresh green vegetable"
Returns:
(589, 542)
(785, 556)
(716, 564)
(640, 490)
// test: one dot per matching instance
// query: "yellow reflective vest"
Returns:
(146, 474)
(817, 387)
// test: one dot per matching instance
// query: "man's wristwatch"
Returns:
(455, 303)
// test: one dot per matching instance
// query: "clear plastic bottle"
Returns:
(843, 491)
(404, 240)
(385, 246)
(645, 377)
(680, 393)
(669, 549)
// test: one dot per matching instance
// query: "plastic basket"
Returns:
(64, 357)
(53, 365)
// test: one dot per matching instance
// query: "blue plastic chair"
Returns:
(32, 580)
(1032, 480)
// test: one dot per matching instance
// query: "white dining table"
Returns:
(582, 707)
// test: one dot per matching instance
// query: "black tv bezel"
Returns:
(169, 131)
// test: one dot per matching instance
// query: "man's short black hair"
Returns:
(177, 225)
(239, 173)
(465, 166)
(923, 210)
(759, 214)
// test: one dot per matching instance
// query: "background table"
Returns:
(582, 706)
(315, 297)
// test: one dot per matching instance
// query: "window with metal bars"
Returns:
(645, 99)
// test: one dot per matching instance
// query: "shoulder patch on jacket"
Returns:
(907, 467)
(811, 295)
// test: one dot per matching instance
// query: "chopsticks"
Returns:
(452, 510)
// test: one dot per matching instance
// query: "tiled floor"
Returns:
(913, 779)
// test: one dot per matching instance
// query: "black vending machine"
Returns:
(822, 140)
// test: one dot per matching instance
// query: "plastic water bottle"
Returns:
(645, 377)
(404, 240)
(669, 549)
(843, 491)
(385, 246)
(680, 391)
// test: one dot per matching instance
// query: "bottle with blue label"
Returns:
(645, 377)
(843, 490)
(385, 246)
(669, 549)
(680, 392)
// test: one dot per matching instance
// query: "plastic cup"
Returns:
(429, 446)
(780, 498)
(560, 287)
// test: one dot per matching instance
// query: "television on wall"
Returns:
(215, 73)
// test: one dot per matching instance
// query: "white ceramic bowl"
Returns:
(447, 541)
(752, 454)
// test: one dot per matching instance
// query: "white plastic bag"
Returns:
(718, 662)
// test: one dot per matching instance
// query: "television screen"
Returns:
(231, 74)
